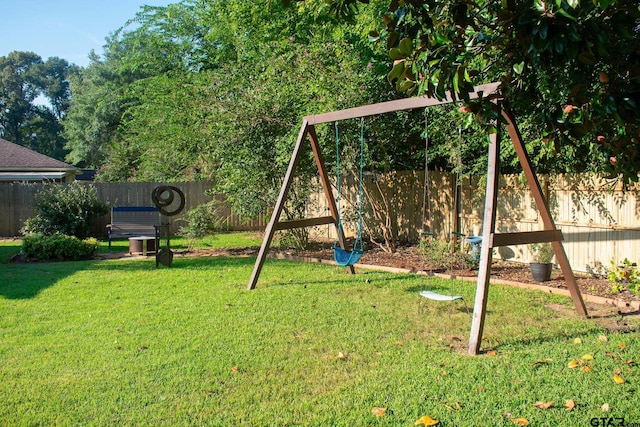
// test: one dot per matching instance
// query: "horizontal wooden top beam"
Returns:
(396, 105)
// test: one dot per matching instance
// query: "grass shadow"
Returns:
(7, 251)
(25, 281)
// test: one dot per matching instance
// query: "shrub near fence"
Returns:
(16, 202)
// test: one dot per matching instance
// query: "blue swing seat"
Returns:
(345, 258)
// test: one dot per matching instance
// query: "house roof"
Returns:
(14, 157)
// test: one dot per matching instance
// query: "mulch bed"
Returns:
(409, 257)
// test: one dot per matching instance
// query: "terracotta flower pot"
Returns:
(541, 272)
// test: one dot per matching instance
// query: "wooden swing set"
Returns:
(490, 238)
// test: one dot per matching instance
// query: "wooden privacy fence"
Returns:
(600, 223)
(16, 202)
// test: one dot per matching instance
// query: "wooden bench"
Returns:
(129, 221)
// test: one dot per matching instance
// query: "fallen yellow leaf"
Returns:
(544, 405)
(234, 369)
(618, 379)
(521, 421)
(569, 404)
(602, 338)
(492, 352)
(577, 341)
(573, 364)
(458, 405)
(587, 357)
(586, 368)
(378, 412)
(427, 421)
(605, 407)
(341, 356)
(621, 344)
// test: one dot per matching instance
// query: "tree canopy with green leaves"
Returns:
(24, 77)
(216, 89)
(570, 68)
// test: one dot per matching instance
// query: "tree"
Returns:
(114, 89)
(20, 84)
(570, 67)
(95, 112)
(162, 137)
(56, 88)
(162, 79)
(24, 119)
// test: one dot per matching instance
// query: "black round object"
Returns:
(163, 197)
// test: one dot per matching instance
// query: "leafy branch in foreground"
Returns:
(570, 67)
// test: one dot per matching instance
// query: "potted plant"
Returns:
(541, 266)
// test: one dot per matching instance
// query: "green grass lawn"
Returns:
(8, 248)
(119, 342)
(223, 240)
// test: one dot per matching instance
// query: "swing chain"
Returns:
(358, 244)
(360, 188)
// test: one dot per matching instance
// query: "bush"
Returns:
(542, 252)
(66, 209)
(58, 247)
(203, 220)
(624, 276)
(294, 238)
(442, 256)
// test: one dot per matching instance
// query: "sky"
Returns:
(68, 29)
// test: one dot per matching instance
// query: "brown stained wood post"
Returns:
(326, 187)
(545, 213)
(277, 210)
(488, 229)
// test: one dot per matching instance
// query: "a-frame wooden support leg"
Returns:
(277, 209)
(545, 213)
(488, 227)
(491, 239)
(274, 223)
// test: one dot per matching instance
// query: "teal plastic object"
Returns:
(475, 241)
(346, 258)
